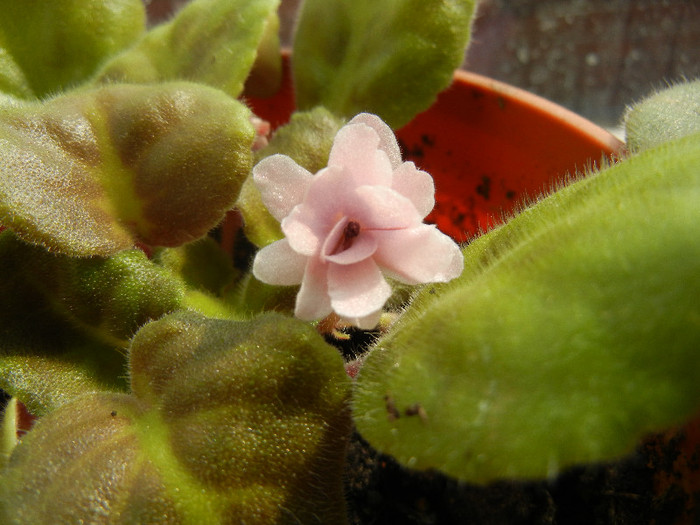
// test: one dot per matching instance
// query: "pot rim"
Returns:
(539, 104)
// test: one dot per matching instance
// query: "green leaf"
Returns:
(265, 77)
(213, 42)
(228, 422)
(44, 382)
(572, 332)
(390, 58)
(46, 47)
(209, 275)
(13, 82)
(65, 322)
(250, 297)
(95, 172)
(202, 265)
(667, 115)
(8, 431)
(307, 139)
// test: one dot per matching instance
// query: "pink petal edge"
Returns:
(419, 255)
(313, 301)
(278, 264)
(416, 185)
(297, 227)
(384, 208)
(357, 290)
(387, 139)
(356, 150)
(282, 184)
(367, 322)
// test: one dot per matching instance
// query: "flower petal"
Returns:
(355, 149)
(278, 264)
(357, 290)
(282, 184)
(387, 139)
(313, 301)
(328, 199)
(416, 185)
(361, 247)
(419, 255)
(298, 227)
(364, 323)
(382, 208)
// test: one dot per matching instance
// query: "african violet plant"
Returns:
(172, 386)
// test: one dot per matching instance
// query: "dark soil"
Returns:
(644, 488)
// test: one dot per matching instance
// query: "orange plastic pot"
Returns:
(488, 146)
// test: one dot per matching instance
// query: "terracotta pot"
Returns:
(488, 146)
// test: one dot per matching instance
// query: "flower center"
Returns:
(351, 230)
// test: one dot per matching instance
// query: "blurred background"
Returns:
(591, 56)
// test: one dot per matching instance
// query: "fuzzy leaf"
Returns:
(251, 296)
(46, 47)
(13, 82)
(202, 265)
(229, 422)
(8, 430)
(210, 278)
(265, 77)
(65, 322)
(667, 115)
(93, 173)
(572, 332)
(307, 139)
(213, 42)
(390, 58)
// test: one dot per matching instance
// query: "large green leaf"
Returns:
(572, 332)
(94, 172)
(48, 46)
(229, 422)
(214, 42)
(391, 58)
(65, 323)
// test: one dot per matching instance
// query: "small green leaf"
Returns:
(46, 47)
(202, 265)
(572, 332)
(307, 139)
(390, 58)
(667, 115)
(8, 431)
(251, 297)
(208, 274)
(265, 77)
(13, 83)
(213, 42)
(65, 322)
(44, 382)
(93, 173)
(260, 227)
(228, 422)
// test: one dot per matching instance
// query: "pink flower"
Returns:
(355, 220)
